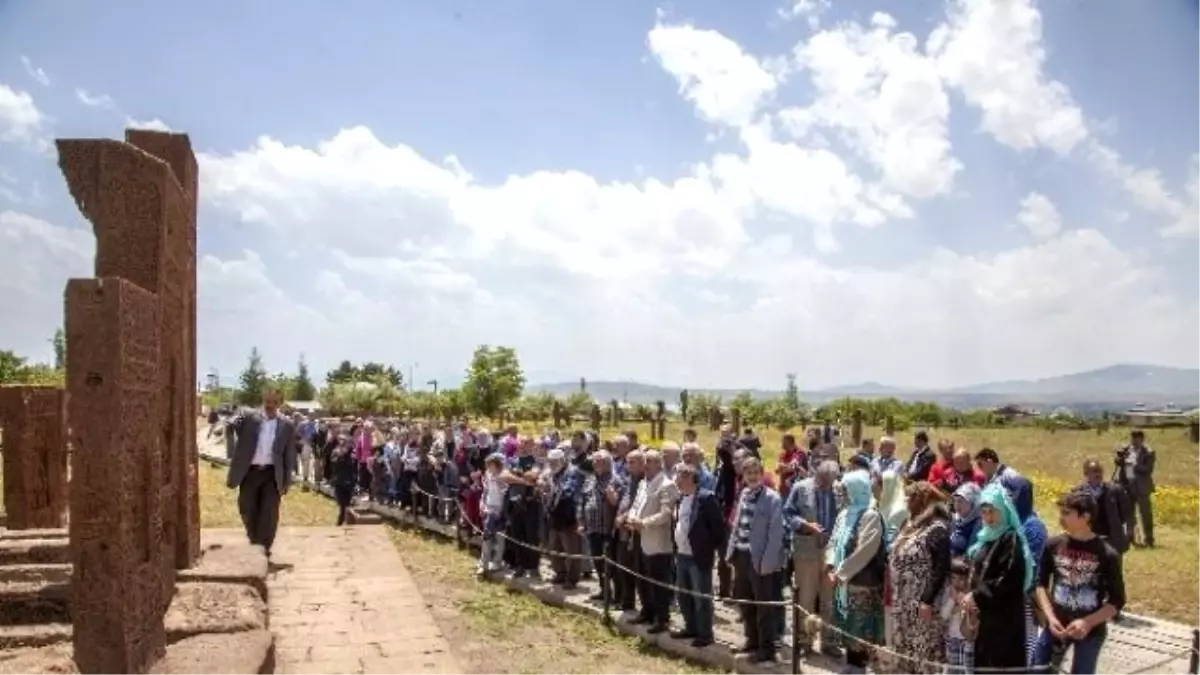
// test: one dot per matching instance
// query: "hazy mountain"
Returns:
(1114, 387)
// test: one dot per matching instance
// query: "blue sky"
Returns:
(699, 193)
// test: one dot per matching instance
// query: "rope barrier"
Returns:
(877, 650)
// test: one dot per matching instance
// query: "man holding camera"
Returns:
(1135, 473)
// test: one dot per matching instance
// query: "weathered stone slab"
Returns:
(232, 563)
(35, 456)
(52, 659)
(234, 653)
(116, 531)
(199, 608)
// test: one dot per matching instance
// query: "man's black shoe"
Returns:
(682, 634)
(657, 628)
(701, 643)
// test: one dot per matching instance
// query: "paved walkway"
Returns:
(348, 605)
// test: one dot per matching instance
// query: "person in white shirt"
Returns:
(491, 552)
(262, 467)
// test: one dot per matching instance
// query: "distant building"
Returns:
(305, 407)
(1140, 415)
(1013, 412)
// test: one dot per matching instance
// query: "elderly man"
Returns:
(699, 536)
(564, 489)
(650, 516)
(671, 457)
(810, 512)
(261, 467)
(693, 456)
(627, 543)
(598, 513)
(887, 460)
(757, 551)
(620, 452)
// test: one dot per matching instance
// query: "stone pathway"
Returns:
(343, 602)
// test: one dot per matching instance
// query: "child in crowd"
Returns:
(492, 511)
(1080, 588)
(961, 625)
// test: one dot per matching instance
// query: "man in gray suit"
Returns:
(261, 468)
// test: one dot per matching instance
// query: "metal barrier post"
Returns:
(605, 588)
(1194, 663)
(797, 626)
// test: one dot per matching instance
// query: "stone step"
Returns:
(14, 535)
(33, 635)
(362, 516)
(35, 594)
(34, 551)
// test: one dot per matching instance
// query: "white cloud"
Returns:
(35, 72)
(20, 119)
(992, 51)
(694, 278)
(95, 100)
(1039, 215)
(809, 10)
(151, 124)
(886, 99)
(726, 84)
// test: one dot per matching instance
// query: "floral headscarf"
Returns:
(996, 496)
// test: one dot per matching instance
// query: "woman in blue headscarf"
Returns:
(855, 563)
(1021, 490)
(966, 519)
(1002, 575)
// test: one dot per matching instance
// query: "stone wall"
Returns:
(35, 457)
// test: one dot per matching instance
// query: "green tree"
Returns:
(791, 396)
(345, 372)
(253, 380)
(578, 403)
(60, 349)
(11, 367)
(304, 389)
(494, 380)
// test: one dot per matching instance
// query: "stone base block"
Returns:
(35, 594)
(229, 654)
(199, 608)
(229, 561)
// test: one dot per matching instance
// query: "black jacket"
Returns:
(918, 466)
(707, 532)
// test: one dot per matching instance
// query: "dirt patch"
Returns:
(494, 630)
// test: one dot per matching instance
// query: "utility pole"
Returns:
(433, 383)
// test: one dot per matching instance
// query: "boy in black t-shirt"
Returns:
(1080, 587)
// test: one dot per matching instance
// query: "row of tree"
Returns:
(494, 386)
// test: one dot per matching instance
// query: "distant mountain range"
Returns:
(1115, 387)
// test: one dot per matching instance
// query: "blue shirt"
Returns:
(308, 429)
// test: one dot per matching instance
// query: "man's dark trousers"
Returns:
(758, 621)
(258, 502)
(656, 598)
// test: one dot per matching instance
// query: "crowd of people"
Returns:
(936, 562)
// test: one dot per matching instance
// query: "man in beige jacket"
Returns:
(651, 516)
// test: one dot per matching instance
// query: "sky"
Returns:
(919, 193)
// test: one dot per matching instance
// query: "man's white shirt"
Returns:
(264, 454)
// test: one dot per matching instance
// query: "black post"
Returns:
(1194, 665)
(605, 587)
(797, 626)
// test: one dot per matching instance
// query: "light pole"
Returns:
(433, 383)
(412, 379)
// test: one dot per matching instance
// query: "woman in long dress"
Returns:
(854, 561)
(920, 566)
(1001, 576)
